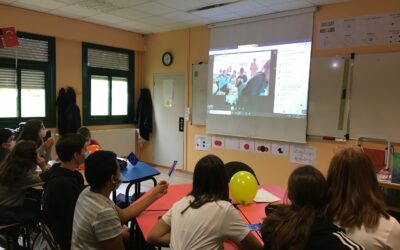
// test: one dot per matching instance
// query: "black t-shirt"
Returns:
(62, 189)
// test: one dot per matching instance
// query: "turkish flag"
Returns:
(10, 38)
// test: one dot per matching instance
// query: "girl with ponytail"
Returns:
(302, 224)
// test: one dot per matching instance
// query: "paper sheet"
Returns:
(377, 29)
(231, 143)
(304, 155)
(168, 92)
(202, 142)
(247, 145)
(265, 196)
(218, 142)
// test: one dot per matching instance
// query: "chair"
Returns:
(10, 232)
(235, 166)
(45, 239)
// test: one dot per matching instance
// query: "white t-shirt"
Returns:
(206, 227)
(385, 236)
(95, 220)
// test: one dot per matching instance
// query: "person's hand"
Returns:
(125, 232)
(49, 143)
(42, 163)
(160, 189)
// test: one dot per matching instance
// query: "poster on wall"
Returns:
(231, 143)
(262, 147)
(168, 92)
(379, 29)
(218, 142)
(304, 155)
(202, 142)
(247, 145)
(280, 149)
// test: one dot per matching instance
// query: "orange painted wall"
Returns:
(270, 169)
(189, 46)
(176, 42)
(69, 36)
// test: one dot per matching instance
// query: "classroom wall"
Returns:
(176, 42)
(270, 169)
(69, 36)
(189, 46)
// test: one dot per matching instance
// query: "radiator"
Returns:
(120, 141)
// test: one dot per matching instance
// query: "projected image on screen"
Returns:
(260, 80)
(233, 72)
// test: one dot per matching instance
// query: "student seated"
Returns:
(97, 220)
(35, 131)
(302, 224)
(6, 141)
(63, 184)
(85, 132)
(354, 201)
(204, 218)
(17, 176)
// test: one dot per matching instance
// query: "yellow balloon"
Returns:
(243, 187)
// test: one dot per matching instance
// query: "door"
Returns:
(169, 108)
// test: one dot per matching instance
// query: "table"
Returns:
(251, 213)
(390, 185)
(254, 212)
(134, 175)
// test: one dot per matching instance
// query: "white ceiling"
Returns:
(153, 16)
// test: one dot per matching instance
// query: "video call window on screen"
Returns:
(260, 80)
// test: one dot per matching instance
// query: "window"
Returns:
(27, 81)
(107, 85)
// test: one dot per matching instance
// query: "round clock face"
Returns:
(167, 58)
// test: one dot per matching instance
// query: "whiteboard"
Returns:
(375, 100)
(199, 94)
(325, 95)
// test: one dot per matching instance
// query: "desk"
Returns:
(388, 184)
(255, 212)
(175, 193)
(251, 214)
(134, 175)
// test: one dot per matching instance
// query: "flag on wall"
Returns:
(8, 37)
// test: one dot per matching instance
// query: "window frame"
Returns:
(49, 68)
(88, 71)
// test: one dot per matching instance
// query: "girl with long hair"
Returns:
(354, 201)
(302, 224)
(35, 131)
(6, 143)
(204, 218)
(17, 176)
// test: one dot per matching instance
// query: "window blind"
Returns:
(32, 79)
(108, 59)
(8, 78)
(28, 49)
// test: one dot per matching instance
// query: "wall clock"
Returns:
(167, 58)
